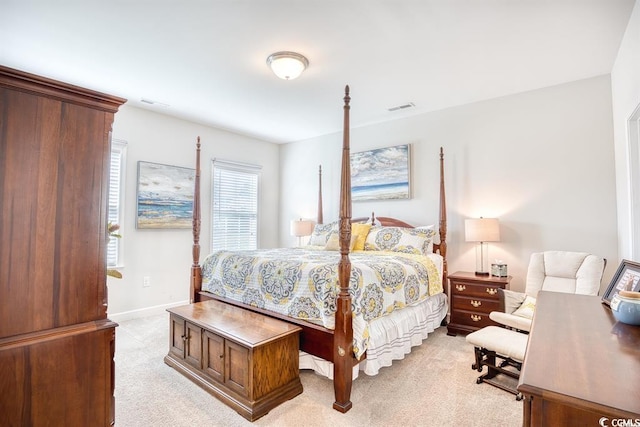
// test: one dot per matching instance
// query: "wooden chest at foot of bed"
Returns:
(247, 360)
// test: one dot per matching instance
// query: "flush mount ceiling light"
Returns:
(287, 65)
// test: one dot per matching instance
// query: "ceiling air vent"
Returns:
(402, 107)
(150, 102)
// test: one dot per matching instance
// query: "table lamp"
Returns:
(301, 228)
(482, 230)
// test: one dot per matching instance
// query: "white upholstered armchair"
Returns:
(570, 272)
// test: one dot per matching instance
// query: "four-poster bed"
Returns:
(335, 343)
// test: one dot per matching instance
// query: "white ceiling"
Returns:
(206, 59)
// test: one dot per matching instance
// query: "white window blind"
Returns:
(234, 206)
(116, 181)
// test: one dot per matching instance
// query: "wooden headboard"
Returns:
(385, 221)
(440, 248)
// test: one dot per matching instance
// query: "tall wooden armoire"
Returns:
(56, 343)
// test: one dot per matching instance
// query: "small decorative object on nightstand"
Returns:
(473, 297)
(499, 269)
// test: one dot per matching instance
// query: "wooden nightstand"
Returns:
(472, 299)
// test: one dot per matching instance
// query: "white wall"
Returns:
(625, 83)
(165, 255)
(540, 161)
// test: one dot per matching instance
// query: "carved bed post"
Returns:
(443, 223)
(343, 358)
(196, 270)
(320, 219)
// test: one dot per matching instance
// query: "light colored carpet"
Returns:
(432, 386)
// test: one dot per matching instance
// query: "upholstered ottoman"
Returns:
(493, 342)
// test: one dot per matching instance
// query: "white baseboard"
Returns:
(143, 312)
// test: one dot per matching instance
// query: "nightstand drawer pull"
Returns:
(476, 318)
(476, 303)
(492, 291)
(461, 288)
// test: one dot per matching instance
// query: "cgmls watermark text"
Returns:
(619, 422)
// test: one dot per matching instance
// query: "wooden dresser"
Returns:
(247, 360)
(472, 299)
(56, 343)
(580, 365)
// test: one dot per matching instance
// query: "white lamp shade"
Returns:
(482, 230)
(301, 227)
(287, 65)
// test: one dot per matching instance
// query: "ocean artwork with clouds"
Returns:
(165, 196)
(380, 174)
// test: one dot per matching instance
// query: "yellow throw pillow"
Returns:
(527, 308)
(333, 244)
(360, 231)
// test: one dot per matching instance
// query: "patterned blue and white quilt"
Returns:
(303, 283)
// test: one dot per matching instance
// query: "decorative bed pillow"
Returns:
(333, 244)
(432, 228)
(360, 231)
(427, 227)
(321, 233)
(527, 308)
(398, 239)
(512, 300)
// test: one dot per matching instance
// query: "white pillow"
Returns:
(431, 228)
(512, 300)
(428, 227)
(527, 308)
(321, 233)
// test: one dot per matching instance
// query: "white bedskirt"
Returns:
(392, 337)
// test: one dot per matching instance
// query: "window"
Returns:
(234, 205)
(116, 181)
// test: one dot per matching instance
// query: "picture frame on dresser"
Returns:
(627, 277)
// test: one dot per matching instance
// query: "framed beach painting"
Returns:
(380, 174)
(165, 196)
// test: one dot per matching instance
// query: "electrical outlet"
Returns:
(146, 281)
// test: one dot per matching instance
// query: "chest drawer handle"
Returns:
(476, 303)
(476, 318)
(492, 291)
(461, 288)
